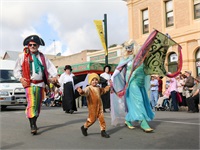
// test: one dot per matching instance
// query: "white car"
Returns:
(11, 90)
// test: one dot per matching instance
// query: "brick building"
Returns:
(179, 18)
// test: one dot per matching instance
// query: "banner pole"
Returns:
(106, 41)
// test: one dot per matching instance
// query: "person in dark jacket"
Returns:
(188, 84)
(193, 100)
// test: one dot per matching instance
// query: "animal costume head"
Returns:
(92, 76)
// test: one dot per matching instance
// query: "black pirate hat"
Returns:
(35, 39)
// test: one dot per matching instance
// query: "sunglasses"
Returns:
(32, 45)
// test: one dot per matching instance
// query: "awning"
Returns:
(87, 67)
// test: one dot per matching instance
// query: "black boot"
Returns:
(104, 134)
(84, 131)
(34, 122)
(71, 111)
(33, 125)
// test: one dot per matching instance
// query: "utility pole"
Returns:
(54, 46)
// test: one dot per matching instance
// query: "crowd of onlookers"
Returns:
(53, 98)
(180, 93)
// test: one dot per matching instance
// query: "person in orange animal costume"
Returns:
(95, 108)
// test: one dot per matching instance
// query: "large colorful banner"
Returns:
(99, 27)
(153, 54)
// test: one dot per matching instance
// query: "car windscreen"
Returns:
(6, 76)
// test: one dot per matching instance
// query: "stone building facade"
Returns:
(179, 18)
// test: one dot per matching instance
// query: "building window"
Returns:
(145, 21)
(198, 61)
(173, 57)
(169, 13)
(172, 62)
(196, 9)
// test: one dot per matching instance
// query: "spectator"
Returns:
(180, 83)
(57, 98)
(166, 95)
(160, 82)
(84, 102)
(173, 92)
(154, 91)
(189, 83)
(79, 101)
(193, 100)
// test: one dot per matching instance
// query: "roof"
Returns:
(11, 55)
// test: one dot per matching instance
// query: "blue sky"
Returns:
(48, 32)
(69, 23)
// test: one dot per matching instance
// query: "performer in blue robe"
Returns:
(134, 105)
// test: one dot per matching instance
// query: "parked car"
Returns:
(12, 92)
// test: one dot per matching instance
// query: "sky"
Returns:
(66, 26)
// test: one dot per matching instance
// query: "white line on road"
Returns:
(198, 124)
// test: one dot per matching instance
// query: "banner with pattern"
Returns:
(99, 27)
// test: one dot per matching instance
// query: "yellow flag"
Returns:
(99, 28)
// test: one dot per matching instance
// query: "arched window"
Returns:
(172, 62)
(198, 62)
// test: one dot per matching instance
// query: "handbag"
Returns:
(178, 97)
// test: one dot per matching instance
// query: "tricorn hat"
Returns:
(188, 71)
(68, 67)
(35, 39)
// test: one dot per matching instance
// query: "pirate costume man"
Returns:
(33, 70)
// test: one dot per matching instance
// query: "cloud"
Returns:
(70, 22)
(52, 49)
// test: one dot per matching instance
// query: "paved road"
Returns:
(58, 130)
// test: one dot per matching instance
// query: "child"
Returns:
(95, 108)
(166, 95)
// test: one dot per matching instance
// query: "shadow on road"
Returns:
(115, 129)
(52, 127)
(10, 146)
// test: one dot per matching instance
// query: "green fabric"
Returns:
(144, 125)
(37, 64)
(128, 124)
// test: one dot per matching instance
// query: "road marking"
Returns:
(198, 124)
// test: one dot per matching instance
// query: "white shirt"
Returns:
(52, 71)
(154, 82)
(179, 86)
(106, 76)
(64, 78)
